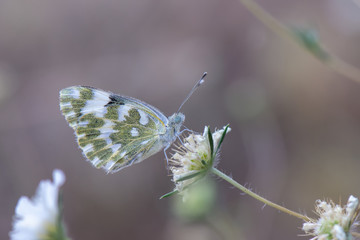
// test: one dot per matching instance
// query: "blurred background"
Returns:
(295, 123)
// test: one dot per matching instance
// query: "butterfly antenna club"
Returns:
(198, 84)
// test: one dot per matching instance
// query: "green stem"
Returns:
(334, 62)
(258, 197)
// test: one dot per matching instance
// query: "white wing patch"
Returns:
(74, 93)
(96, 161)
(144, 119)
(116, 147)
(88, 148)
(123, 111)
(96, 105)
(134, 132)
(145, 142)
(83, 123)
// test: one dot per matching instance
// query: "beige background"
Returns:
(295, 124)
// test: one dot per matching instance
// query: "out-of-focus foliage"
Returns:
(295, 124)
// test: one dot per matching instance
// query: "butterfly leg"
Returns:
(186, 130)
(181, 132)
(182, 143)
(167, 159)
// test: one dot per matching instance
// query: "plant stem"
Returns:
(258, 197)
(334, 62)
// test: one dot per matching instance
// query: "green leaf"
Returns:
(309, 39)
(211, 142)
(59, 232)
(169, 194)
(222, 138)
(189, 176)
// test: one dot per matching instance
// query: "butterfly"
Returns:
(115, 131)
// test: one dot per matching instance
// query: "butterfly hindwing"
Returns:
(113, 131)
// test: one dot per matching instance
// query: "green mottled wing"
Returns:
(113, 131)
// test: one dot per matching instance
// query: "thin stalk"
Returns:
(258, 197)
(333, 62)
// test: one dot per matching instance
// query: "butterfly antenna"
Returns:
(201, 81)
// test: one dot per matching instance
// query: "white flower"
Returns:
(335, 222)
(192, 160)
(38, 218)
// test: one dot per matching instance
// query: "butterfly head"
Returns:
(175, 122)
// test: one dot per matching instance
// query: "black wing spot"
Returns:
(115, 100)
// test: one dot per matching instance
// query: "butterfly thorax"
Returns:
(173, 127)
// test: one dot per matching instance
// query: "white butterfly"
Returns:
(115, 131)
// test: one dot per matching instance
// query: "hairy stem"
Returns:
(256, 196)
(332, 61)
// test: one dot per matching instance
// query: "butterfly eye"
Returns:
(178, 119)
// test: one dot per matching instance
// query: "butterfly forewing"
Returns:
(113, 131)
